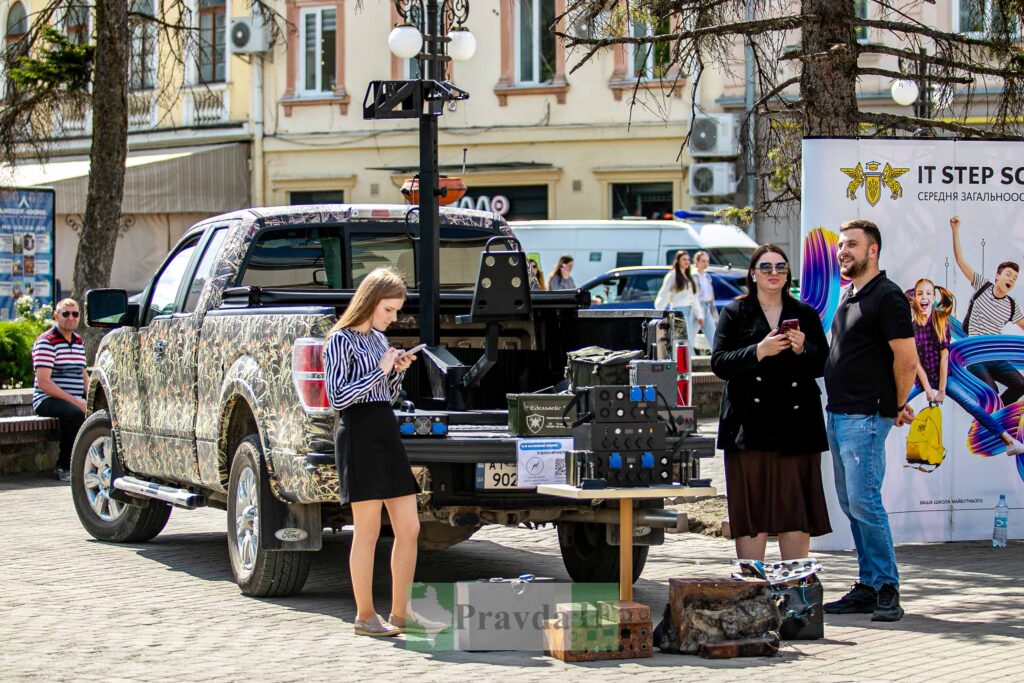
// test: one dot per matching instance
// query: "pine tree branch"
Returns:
(913, 123)
(896, 75)
(740, 28)
(938, 60)
(936, 35)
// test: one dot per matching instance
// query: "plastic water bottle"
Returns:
(999, 526)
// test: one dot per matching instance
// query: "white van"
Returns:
(597, 246)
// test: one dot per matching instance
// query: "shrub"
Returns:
(16, 340)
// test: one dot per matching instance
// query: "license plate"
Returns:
(495, 475)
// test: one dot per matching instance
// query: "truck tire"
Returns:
(258, 572)
(589, 558)
(103, 517)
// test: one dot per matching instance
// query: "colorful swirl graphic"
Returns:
(820, 281)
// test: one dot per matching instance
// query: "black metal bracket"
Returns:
(404, 99)
(487, 361)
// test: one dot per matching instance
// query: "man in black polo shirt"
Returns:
(868, 376)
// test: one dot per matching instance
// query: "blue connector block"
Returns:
(650, 394)
(439, 428)
(615, 461)
(636, 394)
(647, 462)
(407, 428)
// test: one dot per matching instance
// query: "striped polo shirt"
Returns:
(989, 313)
(66, 360)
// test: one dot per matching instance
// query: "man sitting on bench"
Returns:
(58, 357)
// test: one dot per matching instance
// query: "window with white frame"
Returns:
(651, 60)
(861, 9)
(535, 41)
(982, 17)
(212, 41)
(142, 65)
(76, 23)
(318, 38)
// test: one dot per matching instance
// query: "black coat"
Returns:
(773, 404)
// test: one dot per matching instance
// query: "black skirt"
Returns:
(768, 492)
(371, 459)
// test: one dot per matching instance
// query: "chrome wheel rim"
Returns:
(247, 520)
(96, 477)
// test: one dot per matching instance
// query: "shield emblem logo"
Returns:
(534, 423)
(873, 187)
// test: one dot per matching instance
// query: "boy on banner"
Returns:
(869, 374)
(990, 310)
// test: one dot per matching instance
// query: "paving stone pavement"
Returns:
(76, 609)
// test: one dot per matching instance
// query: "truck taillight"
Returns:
(684, 393)
(308, 373)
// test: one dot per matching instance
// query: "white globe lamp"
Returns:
(405, 41)
(461, 44)
(905, 92)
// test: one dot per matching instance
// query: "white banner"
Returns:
(912, 189)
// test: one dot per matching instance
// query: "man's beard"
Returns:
(853, 269)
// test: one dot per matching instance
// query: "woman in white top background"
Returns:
(706, 295)
(679, 293)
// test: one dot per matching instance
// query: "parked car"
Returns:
(597, 245)
(638, 286)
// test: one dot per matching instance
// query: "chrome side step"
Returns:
(182, 498)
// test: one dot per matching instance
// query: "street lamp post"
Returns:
(918, 89)
(433, 33)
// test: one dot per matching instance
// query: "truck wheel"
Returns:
(589, 558)
(103, 517)
(258, 572)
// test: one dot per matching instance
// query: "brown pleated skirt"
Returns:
(771, 493)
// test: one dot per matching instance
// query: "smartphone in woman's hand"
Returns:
(415, 349)
(787, 325)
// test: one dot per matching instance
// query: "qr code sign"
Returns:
(560, 466)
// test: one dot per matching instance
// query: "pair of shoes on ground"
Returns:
(882, 605)
(379, 628)
(62, 474)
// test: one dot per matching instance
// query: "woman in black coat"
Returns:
(771, 427)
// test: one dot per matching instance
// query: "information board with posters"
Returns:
(950, 214)
(26, 247)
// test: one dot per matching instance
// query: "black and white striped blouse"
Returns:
(352, 372)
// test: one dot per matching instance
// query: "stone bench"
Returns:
(28, 443)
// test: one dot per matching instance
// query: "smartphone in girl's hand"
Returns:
(787, 325)
(415, 349)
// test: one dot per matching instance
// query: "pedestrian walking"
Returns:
(706, 296)
(560, 277)
(678, 292)
(869, 374)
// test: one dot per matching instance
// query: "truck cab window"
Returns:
(195, 288)
(165, 289)
(382, 251)
(297, 258)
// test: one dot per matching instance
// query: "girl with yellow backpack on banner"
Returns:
(931, 307)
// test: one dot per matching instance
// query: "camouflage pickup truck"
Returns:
(209, 391)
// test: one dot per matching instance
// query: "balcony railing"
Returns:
(205, 104)
(73, 118)
(141, 110)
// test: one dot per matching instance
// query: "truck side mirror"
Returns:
(109, 308)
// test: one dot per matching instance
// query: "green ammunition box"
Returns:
(539, 415)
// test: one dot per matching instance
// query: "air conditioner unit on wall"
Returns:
(712, 179)
(714, 135)
(249, 35)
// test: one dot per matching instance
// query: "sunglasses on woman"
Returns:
(767, 268)
(65, 314)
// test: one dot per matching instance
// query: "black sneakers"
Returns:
(888, 607)
(860, 600)
(62, 474)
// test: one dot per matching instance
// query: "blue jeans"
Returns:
(710, 326)
(857, 443)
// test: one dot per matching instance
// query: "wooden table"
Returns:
(625, 496)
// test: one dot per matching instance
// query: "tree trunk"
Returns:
(828, 82)
(109, 149)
